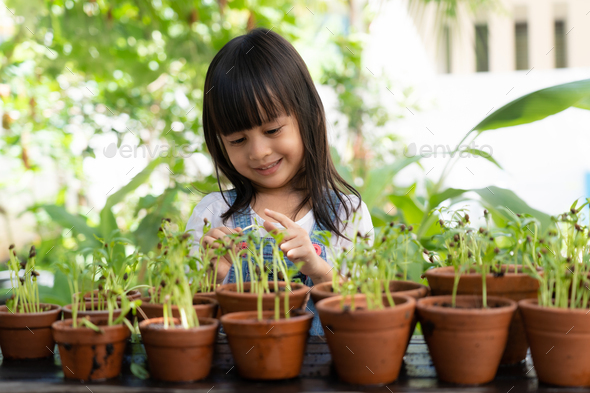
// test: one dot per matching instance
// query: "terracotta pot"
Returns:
(131, 295)
(267, 349)
(27, 335)
(96, 314)
(367, 346)
(179, 355)
(324, 290)
(560, 343)
(205, 308)
(88, 355)
(465, 343)
(514, 286)
(211, 295)
(232, 301)
(413, 289)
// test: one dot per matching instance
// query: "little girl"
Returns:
(265, 129)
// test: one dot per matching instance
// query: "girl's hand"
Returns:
(223, 263)
(297, 247)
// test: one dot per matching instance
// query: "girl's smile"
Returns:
(269, 169)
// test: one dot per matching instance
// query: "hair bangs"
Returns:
(248, 95)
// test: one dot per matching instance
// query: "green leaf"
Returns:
(378, 179)
(538, 105)
(438, 198)
(494, 197)
(67, 220)
(487, 156)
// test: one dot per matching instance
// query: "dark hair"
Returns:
(252, 80)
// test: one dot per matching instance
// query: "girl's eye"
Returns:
(237, 141)
(271, 132)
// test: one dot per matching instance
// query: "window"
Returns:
(521, 41)
(560, 45)
(482, 60)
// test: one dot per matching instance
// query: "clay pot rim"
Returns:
(252, 318)
(449, 272)
(145, 301)
(68, 307)
(331, 305)
(209, 324)
(425, 304)
(66, 325)
(533, 304)
(54, 309)
(226, 289)
(324, 286)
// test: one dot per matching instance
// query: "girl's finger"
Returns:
(285, 247)
(270, 228)
(281, 218)
(294, 254)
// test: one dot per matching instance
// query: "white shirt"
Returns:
(213, 206)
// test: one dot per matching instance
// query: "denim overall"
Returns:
(244, 220)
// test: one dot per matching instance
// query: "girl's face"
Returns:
(269, 155)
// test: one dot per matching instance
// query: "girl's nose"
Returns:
(259, 149)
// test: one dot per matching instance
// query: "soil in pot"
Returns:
(232, 301)
(465, 343)
(511, 285)
(27, 335)
(204, 306)
(93, 314)
(88, 355)
(367, 346)
(560, 343)
(179, 355)
(267, 349)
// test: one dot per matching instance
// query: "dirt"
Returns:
(450, 305)
(67, 347)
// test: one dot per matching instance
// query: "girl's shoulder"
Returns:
(212, 202)
(352, 202)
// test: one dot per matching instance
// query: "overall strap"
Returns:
(242, 220)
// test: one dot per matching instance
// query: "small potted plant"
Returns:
(153, 306)
(92, 349)
(245, 250)
(400, 258)
(512, 279)
(179, 349)
(268, 345)
(367, 332)
(466, 334)
(25, 323)
(556, 322)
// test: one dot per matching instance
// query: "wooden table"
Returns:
(417, 374)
